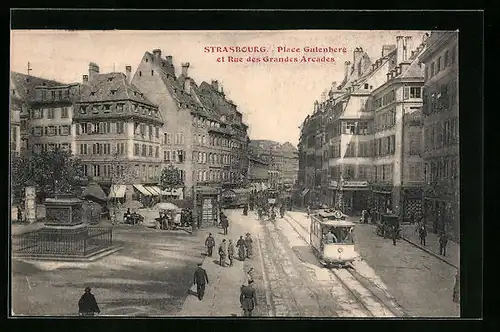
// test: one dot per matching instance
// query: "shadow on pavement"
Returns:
(306, 255)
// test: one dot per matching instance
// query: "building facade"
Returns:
(283, 161)
(357, 144)
(118, 134)
(26, 97)
(258, 172)
(441, 133)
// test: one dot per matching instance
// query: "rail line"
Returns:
(354, 277)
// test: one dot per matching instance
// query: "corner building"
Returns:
(117, 133)
(441, 133)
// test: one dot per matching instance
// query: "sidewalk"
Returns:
(432, 245)
(222, 294)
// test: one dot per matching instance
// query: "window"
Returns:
(107, 108)
(120, 127)
(166, 155)
(168, 138)
(350, 150)
(445, 60)
(453, 54)
(142, 129)
(150, 132)
(64, 112)
(180, 156)
(179, 138)
(415, 144)
(366, 85)
(157, 132)
(152, 72)
(363, 128)
(96, 170)
(65, 130)
(348, 127)
(44, 95)
(51, 131)
(432, 69)
(150, 151)
(143, 150)
(136, 149)
(157, 152)
(83, 109)
(415, 92)
(83, 149)
(438, 67)
(119, 107)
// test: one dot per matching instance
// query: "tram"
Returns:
(332, 239)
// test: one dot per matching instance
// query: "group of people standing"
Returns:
(227, 248)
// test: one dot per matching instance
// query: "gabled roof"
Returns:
(25, 85)
(112, 87)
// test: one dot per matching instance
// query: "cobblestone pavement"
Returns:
(409, 232)
(421, 283)
(150, 276)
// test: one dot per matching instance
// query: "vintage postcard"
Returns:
(284, 173)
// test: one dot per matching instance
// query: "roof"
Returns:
(112, 87)
(25, 85)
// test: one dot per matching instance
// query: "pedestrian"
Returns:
(210, 244)
(308, 210)
(248, 245)
(224, 222)
(394, 234)
(245, 210)
(222, 253)
(241, 248)
(443, 241)
(282, 210)
(259, 213)
(250, 275)
(200, 280)
(230, 252)
(87, 306)
(248, 299)
(423, 234)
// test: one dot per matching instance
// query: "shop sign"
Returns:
(333, 183)
(358, 184)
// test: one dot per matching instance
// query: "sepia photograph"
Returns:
(234, 173)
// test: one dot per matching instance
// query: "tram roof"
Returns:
(336, 222)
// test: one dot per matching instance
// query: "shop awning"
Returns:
(117, 191)
(304, 192)
(152, 190)
(158, 189)
(142, 190)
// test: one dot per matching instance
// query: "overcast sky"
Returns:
(274, 97)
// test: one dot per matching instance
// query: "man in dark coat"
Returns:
(230, 252)
(394, 234)
(224, 223)
(200, 280)
(241, 248)
(210, 244)
(443, 241)
(248, 299)
(87, 306)
(282, 210)
(248, 245)
(222, 253)
(422, 233)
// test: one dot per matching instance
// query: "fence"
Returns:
(63, 242)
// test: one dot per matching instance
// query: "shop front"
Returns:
(412, 204)
(355, 197)
(381, 201)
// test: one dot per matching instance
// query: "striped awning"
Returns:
(152, 190)
(304, 192)
(142, 190)
(117, 191)
(157, 189)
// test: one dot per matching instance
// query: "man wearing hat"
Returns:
(248, 299)
(200, 279)
(87, 305)
(248, 245)
(210, 244)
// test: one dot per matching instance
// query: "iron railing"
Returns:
(81, 242)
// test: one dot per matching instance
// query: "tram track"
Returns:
(352, 281)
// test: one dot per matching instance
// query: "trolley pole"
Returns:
(194, 223)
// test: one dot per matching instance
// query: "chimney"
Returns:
(85, 79)
(157, 56)
(187, 85)
(185, 67)
(358, 52)
(399, 47)
(407, 47)
(93, 70)
(347, 69)
(169, 59)
(215, 85)
(386, 49)
(128, 73)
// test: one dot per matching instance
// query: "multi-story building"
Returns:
(258, 172)
(349, 132)
(118, 134)
(204, 135)
(23, 92)
(16, 106)
(283, 161)
(397, 173)
(441, 134)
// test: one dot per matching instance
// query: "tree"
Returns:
(56, 171)
(171, 178)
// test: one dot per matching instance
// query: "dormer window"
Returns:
(95, 109)
(144, 109)
(110, 79)
(136, 108)
(113, 92)
(146, 60)
(150, 113)
(366, 86)
(107, 108)
(92, 93)
(83, 109)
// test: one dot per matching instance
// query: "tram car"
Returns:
(235, 198)
(332, 239)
